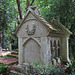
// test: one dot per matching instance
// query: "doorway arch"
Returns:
(31, 51)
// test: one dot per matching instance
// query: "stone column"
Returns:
(49, 46)
(65, 49)
(56, 49)
(20, 55)
(56, 52)
(44, 48)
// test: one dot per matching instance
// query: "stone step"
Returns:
(15, 73)
(8, 60)
(12, 55)
(14, 52)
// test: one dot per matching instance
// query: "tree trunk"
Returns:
(28, 4)
(32, 2)
(19, 9)
(3, 39)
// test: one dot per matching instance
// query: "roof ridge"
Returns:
(58, 23)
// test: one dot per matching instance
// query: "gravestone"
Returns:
(54, 62)
(58, 60)
(0, 47)
(10, 47)
(41, 41)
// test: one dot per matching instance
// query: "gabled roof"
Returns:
(61, 27)
(54, 26)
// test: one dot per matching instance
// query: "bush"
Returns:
(1, 56)
(38, 68)
(3, 68)
(50, 70)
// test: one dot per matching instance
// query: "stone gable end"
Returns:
(34, 26)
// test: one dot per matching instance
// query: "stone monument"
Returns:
(41, 41)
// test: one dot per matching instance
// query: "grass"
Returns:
(1, 56)
(2, 67)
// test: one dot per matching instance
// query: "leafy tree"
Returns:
(6, 17)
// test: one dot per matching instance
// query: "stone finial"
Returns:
(35, 9)
(57, 18)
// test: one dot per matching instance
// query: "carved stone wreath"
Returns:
(31, 32)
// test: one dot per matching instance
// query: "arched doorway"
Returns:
(31, 51)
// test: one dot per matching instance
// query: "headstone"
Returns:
(7, 49)
(54, 61)
(0, 47)
(58, 60)
(10, 47)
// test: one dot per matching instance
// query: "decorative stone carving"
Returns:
(38, 38)
(24, 38)
(31, 32)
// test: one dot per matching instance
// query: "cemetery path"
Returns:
(8, 60)
(4, 53)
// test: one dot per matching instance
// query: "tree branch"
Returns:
(19, 9)
(27, 4)
(32, 2)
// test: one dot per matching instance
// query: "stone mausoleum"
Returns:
(41, 41)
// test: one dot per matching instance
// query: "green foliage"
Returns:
(14, 56)
(3, 67)
(40, 69)
(1, 56)
(51, 69)
(39, 66)
(7, 15)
